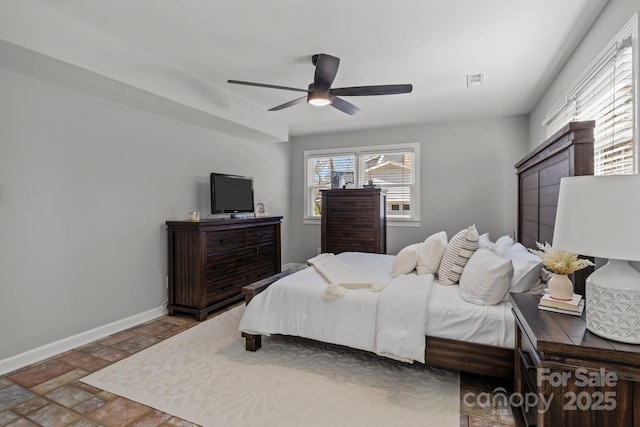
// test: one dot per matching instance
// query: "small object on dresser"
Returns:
(577, 312)
(194, 216)
(572, 304)
(369, 184)
(260, 209)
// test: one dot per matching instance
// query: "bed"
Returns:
(457, 335)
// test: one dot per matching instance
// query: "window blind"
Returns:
(606, 96)
(393, 172)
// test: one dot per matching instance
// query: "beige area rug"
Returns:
(204, 375)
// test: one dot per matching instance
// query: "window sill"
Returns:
(390, 222)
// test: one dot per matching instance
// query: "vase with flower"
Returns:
(561, 264)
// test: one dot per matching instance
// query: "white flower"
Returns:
(560, 262)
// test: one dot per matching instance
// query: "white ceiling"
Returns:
(519, 45)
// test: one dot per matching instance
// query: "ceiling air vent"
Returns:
(475, 79)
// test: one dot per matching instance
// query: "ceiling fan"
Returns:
(321, 93)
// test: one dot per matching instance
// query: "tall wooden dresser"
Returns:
(211, 260)
(354, 220)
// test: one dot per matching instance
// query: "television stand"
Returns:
(212, 259)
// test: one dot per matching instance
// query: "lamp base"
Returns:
(613, 302)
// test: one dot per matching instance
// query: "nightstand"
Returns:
(568, 376)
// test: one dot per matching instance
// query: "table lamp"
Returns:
(599, 216)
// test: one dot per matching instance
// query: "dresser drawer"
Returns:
(262, 271)
(351, 227)
(350, 220)
(226, 239)
(266, 254)
(348, 205)
(221, 264)
(260, 235)
(529, 361)
(225, 287)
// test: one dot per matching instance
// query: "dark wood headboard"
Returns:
(569, 152)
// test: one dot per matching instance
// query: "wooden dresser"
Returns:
(211, 260)
(588, 380)
(354, 220)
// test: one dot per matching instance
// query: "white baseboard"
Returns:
(38, 354)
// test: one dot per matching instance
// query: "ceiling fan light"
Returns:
(319, 99)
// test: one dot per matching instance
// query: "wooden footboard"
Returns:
(254, 342)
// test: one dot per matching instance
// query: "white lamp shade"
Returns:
(599, 216)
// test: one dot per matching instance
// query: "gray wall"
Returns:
(85, 188)
(614, 16)
(467, 177)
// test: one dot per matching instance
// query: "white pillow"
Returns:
(486, 278)
(526, 267)
(455, 257)
(431, 252)
(502, 244)
(485, 242)
(406, 260)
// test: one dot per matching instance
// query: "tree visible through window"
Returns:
(321, 170)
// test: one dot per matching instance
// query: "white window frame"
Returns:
(629, 30)
(360, 178)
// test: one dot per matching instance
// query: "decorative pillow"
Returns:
(502, 244)
(458, 252)
(431, 252)
(406, 260)
(486, 278)
(526, 267)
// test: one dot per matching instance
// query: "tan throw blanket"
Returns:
(341, 276)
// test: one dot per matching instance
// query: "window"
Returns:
(320, 173)
(392, 168)
(605, 94)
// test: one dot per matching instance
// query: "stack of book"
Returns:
(575, 306)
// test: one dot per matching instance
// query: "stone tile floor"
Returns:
(49, 393)
(484, 410)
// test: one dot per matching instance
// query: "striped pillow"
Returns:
(459, 250)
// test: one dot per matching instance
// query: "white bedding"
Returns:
(294, 306)
(449, 316)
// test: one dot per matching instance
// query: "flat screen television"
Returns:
(231, 194)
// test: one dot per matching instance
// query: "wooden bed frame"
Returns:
(569, 152)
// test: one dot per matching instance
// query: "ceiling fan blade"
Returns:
(326, 70)
(344, 106)
(239, 82)
(372, 90)
(289, 104)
